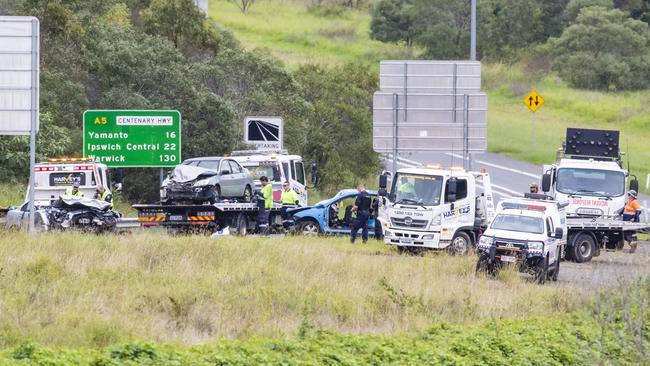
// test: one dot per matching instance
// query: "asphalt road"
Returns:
(509, 177)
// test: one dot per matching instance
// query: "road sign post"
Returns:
(133, 138)
(19, 86)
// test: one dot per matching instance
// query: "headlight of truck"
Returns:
(436, 221)
(486, 240)
(428, 237)
(202, 182)
(536, 245)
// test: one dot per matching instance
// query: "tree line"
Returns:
(165, 54)
(593, 44)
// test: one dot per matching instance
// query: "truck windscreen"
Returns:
(590, 182)
(520, 223)
(270, 171)
(417, 189)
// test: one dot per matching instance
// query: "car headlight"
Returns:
(202, 182)
(486, 240)
(428, 237)
(535, 245)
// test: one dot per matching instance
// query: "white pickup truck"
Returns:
(437, 209)
(527, 233)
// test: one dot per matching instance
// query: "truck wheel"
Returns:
(248, 194)
(541, 271)
(241, 225)
(584, 248)
(309, 228)
(460, 244)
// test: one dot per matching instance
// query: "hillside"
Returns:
(301, 35)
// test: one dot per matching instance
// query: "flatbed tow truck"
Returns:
(240, 217)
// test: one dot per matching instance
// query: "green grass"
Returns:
(511, 127)
(298, 35)
(74, 290)
(559, 341)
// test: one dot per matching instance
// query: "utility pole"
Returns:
(472, 36)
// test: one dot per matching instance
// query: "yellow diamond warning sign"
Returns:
(533, 101)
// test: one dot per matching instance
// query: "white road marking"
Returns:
(497, 166)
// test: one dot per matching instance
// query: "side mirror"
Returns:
(225, 172)
(546, 182)
(634, 185)
(383, 181)
(559, 233)
(452, 186)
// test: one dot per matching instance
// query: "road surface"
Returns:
(508, 176)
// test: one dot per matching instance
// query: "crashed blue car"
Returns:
(332, 216)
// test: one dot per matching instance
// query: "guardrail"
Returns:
(128, 223)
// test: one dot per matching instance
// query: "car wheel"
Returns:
(460, 244)
(309, 228)
(216, 194)
(556, 270)
(540, 270)
(248, 194)
(483, 265)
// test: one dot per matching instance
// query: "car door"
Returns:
(238, 179)
(345, 215)
(226, 180)
(298, 183)
(552, 242)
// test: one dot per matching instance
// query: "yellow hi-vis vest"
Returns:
(69, 192)
(289, 197)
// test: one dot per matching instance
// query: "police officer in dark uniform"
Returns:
(362, 208)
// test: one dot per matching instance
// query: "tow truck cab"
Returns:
(278, 167)
(54, 176)
(529, 233)
(437, 209)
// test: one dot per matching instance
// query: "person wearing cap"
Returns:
(289, 198)
(104, 194)
(631, 212)
(74, 190)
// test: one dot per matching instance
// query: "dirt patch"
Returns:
(611, 268)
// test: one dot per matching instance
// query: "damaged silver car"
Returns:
(210, 179)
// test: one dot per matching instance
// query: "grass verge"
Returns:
(78, 290)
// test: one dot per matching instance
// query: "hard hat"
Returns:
(76, 184)
(632, 193)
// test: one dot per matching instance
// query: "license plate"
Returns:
(507, 258)
(84, 221)
(176, 218)
(406, 241)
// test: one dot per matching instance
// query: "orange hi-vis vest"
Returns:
(631, 207)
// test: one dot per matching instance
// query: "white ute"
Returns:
(437, 209)
(527, 233)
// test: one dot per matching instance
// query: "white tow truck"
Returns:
(528, 233)
(437, 208)
(589, 175)
(278, 166)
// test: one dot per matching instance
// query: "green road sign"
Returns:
(122, 138)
